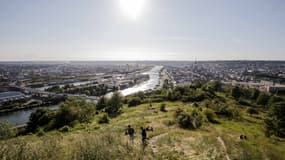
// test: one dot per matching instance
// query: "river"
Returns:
(21, 117)
(152, 83)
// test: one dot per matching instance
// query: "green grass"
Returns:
(107, 141)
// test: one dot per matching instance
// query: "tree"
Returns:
(262, 99)
(274, 99)
(140, 94)
(213, 86)
(115, 103)
(275, 121)
(167, 84)
(134, 101)
(6, 131)
(235, 92)
(102, 103)
(74, 109)
(38, 118)
(254, 94)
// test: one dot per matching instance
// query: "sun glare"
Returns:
(132, 8)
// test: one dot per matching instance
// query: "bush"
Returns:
(103, 119)
(40, 132)
(177, 112)
(251, 111)
(74, 109)
(244, 102)
(74, 123)
(134, 101)
(6, 131)
(255, 93)
(236, 92)
(39, 118)
(163, 107)
(228, 112)
(262, 99)
(115, 104)
(191, 120)
(64, 129)
(102, 103)
(275, 99)
(212, 86)
(210, 115)
(275, 121)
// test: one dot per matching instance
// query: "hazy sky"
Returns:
(142, 29)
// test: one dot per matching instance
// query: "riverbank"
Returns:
(23, 108)
(151, 84)
(21, 117)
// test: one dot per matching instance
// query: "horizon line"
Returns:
(138, 60)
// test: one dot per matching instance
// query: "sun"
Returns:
(132, 8)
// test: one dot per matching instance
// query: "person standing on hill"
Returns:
(144, 135)
(131, 133)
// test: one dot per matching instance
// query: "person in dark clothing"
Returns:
(131, 133)
(148, 128)
(144, 135)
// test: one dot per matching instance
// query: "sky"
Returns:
(142, 30)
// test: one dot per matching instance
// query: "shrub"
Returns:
(190, 120)
(74, 123)
(40, 132)
(262, 99)
(228, 112)
(235, 92)
(275, 99)
(115, 103)
(140, 94)
(212, 86)
(74, 109)
(177, 112)
(102, 103)
(6, 131)
(210, 115)
(134, 101)
(163, 107)
(255, 93)
(251, 111)
(275, 121)
(39, 118)
(64, 129)
(103, 119)
(244, 102)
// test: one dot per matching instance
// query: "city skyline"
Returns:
(141, 30)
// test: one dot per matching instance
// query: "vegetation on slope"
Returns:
(201, 121)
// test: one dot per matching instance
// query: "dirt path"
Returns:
(224, 147)
(153, 140)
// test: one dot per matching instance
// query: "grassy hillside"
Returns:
(219, 139)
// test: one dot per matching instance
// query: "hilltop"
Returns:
(201, 121)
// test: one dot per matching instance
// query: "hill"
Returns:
(202, 121)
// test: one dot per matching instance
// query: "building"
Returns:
(276, 88)
(11, 96)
